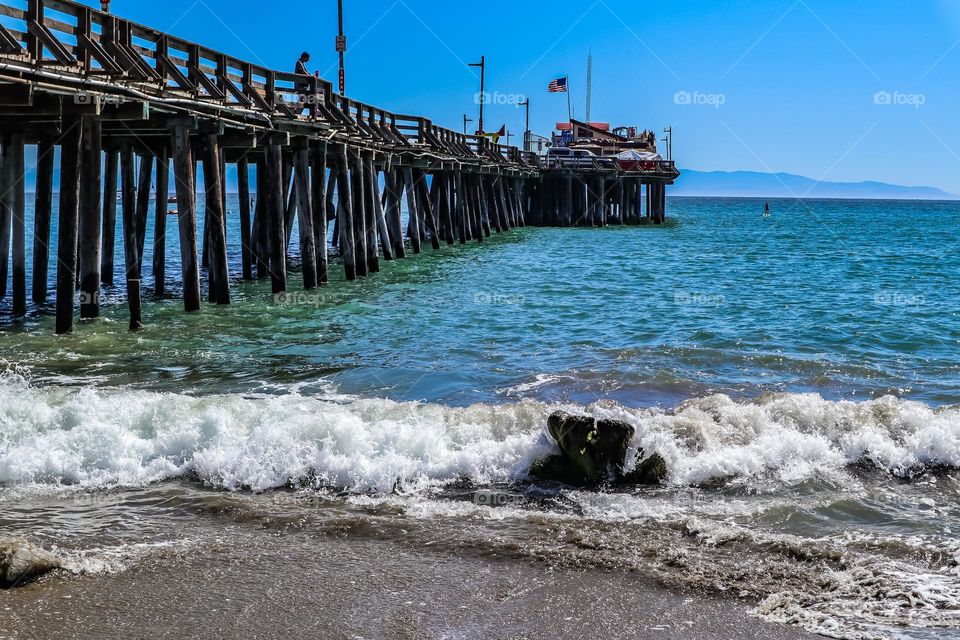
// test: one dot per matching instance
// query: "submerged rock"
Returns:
(22, 561)
(594, 452)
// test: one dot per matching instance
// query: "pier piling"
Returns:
(67, 223)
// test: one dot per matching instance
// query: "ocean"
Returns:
(798, 374)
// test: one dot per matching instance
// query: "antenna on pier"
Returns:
(589, 82)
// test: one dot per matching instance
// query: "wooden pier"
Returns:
(118, 98)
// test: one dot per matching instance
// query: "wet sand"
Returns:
(265, 585)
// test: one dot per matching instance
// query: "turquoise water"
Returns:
(797, 373)
(851, 300)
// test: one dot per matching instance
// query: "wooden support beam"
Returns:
(359, 212)
(371, 198)
(275, 217)
(261, 233)
(308, 240)
(50, 42)
(109, 218)
(500, 196)
(480, 205)
(218, 275)
(246, 240)
(144, 189)
(291, 198)
(446, 209)
(160, 225)
(172, 71)
(8, 43)
(183, 168)
(491, 221)
(345, 213)
(380, 218)
(6, 213)
(318, 193)
(413, 226)
(461, 209)
(92, 49)
(14, 156)
(43, 207)
(90, 229)
(131, 243)
(67, 223)
(427, 209)
(394, 186)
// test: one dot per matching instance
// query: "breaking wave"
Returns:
(96, 438)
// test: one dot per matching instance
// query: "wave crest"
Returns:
(96, 438)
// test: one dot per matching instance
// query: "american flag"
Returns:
(558, 86)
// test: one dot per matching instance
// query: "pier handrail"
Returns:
(103, 51)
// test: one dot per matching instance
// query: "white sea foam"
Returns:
(96, 438)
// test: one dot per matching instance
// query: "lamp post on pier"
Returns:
(341, 47)
(669, 141)
(526, 131)
(466, 121)
(483, 96)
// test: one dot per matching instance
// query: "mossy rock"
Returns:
(593, 453)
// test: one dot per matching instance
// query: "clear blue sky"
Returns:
(797, 79)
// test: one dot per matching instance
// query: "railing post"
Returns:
(314, 98)
(271, 89)
(35, 13)
(84, 24)
(193, 67)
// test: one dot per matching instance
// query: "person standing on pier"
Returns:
(303, 87)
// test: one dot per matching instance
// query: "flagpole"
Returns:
(569, 108)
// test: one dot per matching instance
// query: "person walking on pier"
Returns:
(302, 87)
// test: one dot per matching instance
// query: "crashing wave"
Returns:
(96, 438)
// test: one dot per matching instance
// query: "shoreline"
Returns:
(306, 586)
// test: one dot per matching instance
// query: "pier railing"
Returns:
(70, 41)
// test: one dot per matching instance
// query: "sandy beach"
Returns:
(257, 584)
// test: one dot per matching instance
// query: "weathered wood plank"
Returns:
(90, 219)
(160, 224)
(218, 274)
(68, 221)
(43, 206)
(183, 166)
(246, 241)
(18, 226)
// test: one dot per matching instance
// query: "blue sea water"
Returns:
(848, 299)
(798, 373)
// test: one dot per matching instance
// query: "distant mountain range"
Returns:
(752, 184)
(733, 184)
